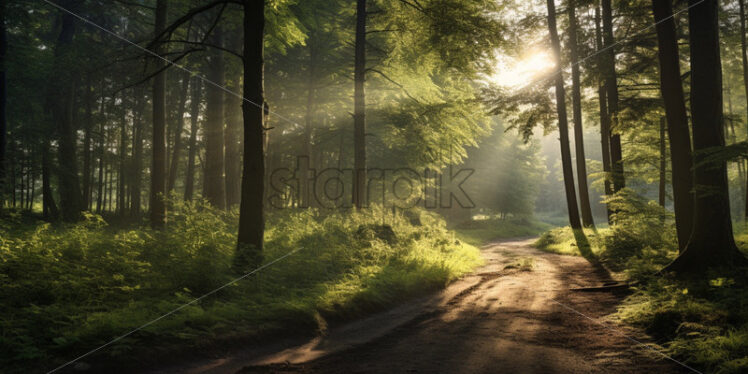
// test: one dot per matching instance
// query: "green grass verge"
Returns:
(67, 289)
(702, 322)
(480, 232)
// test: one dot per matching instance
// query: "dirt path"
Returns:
(503, 319)
(516, 314)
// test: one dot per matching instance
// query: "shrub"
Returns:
(66, 289)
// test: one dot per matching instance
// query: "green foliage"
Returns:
(482, 231)
(69, 288)
(562, 240)
(703, 322)
(640, 225)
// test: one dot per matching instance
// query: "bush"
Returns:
(703, 323)
(66, 289)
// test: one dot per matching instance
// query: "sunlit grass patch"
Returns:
(70, 288)
(483, 231)
(563, 241)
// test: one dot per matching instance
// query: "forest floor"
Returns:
(516, 314)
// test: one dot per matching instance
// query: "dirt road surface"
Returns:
(516, 314)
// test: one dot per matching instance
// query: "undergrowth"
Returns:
(66, 289)
(701, 322)
(479, 232)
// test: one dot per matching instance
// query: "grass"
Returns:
(701, 322)
(66, 289)
(563, 241)
(480, 232)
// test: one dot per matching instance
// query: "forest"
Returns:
(373, 186)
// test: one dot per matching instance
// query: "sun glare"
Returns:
(515, 73)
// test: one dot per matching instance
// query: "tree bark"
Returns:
(49, 208)
(189, 181)
(214, 184)
(611, 84)
(61, 91)
(744, 58)
(158, 177)
(671, 89)
(604, 115)
(563, 125)
(584, 194)
(178, 129)
(233, 144)
(100, 186)
(121, 208)
(136, 179)
(711, 243)
(251, 220)
(87, 154)
(663, 164)
(359, 108)
(3, 97)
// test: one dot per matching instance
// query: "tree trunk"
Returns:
(49, 208)
(611, 84)
(584, 194)
(251, 220)
(136, 178)
(711, 242)
(189, 181)
(62, 90)
(233, 144)
(100, 189)
(178, 129)
(158, 177)
(604, 115)
(214, 184)
(663, 164)
(563, 125)
(3, 97)
(359, 109)
(121, 209)
(744, 58)
(87, 148)
(677, 120)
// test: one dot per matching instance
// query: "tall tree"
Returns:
(87, 154)
(61, 100)
(189, 181)
(671, 89)
(178, 129)
(251, 219)
(232, 140)
(611, 86)
(744, 60)
(214, 187)
(136, 179)
(49, 208)
(711, 242)
(563, 125)
(3, 96)
(359, 108)
(158, 170)
(576, 97)
(662, 185)
(602, 97)
(122, 174)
